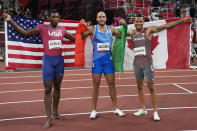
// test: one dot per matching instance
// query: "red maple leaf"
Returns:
(154, 44)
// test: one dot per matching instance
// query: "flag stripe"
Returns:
(70, 28)
(24, 56)
(178, 45)
(22, 48)
(34, 57)
(26, 65)
(35, 53)
(14, 60)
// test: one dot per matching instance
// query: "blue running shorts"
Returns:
(99, 67)
(52, 66)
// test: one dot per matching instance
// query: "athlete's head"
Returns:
(101, 18)
(54, 18)
(138, 21)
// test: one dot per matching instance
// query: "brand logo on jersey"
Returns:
(55, 33)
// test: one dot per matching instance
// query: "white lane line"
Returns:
(101, 112)
(88, 69)
(90, 87)
(28, 71)
(84, 98)
(182, 88)
(129, 72)
(18, 77)
(101, 79)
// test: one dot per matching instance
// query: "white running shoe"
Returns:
(156, 116)
(118, 112)
(140, 112)
(93, 114)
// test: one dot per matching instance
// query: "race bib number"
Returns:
(54, 44)
(103, 47)
(139, 51)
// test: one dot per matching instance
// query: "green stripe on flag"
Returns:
(118, 49)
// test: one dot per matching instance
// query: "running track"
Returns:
(22, 107)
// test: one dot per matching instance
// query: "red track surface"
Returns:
(22, 107)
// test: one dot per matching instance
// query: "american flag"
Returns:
(27, 52)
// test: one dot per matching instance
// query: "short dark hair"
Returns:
(138, 15)
(52, 11)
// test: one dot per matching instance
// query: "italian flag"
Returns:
(170, 48)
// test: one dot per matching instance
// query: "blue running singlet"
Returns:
(102, 55)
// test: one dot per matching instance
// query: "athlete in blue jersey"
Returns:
(101, 36)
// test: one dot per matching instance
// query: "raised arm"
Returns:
(129, 32)
(22, 31)
(156, 29)
(88, 32)
(115, 31)
(86, 29)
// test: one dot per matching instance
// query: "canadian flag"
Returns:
(170, 47)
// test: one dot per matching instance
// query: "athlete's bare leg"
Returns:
(110, 78)
(96, 83)
(47, 101)
(56, 97)
(141, 94)
(153, 95)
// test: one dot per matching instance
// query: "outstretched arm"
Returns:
(70, 36)
(23, 32)
(156, 29)
(85, 29)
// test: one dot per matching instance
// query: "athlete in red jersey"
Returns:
(53, 62)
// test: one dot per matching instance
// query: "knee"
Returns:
(151, 89)
(139, 88)
(47, 91)
(150, 86)
(56, 85)
(96, 84)
(57, 89)
(140, 85)
(111, 84)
